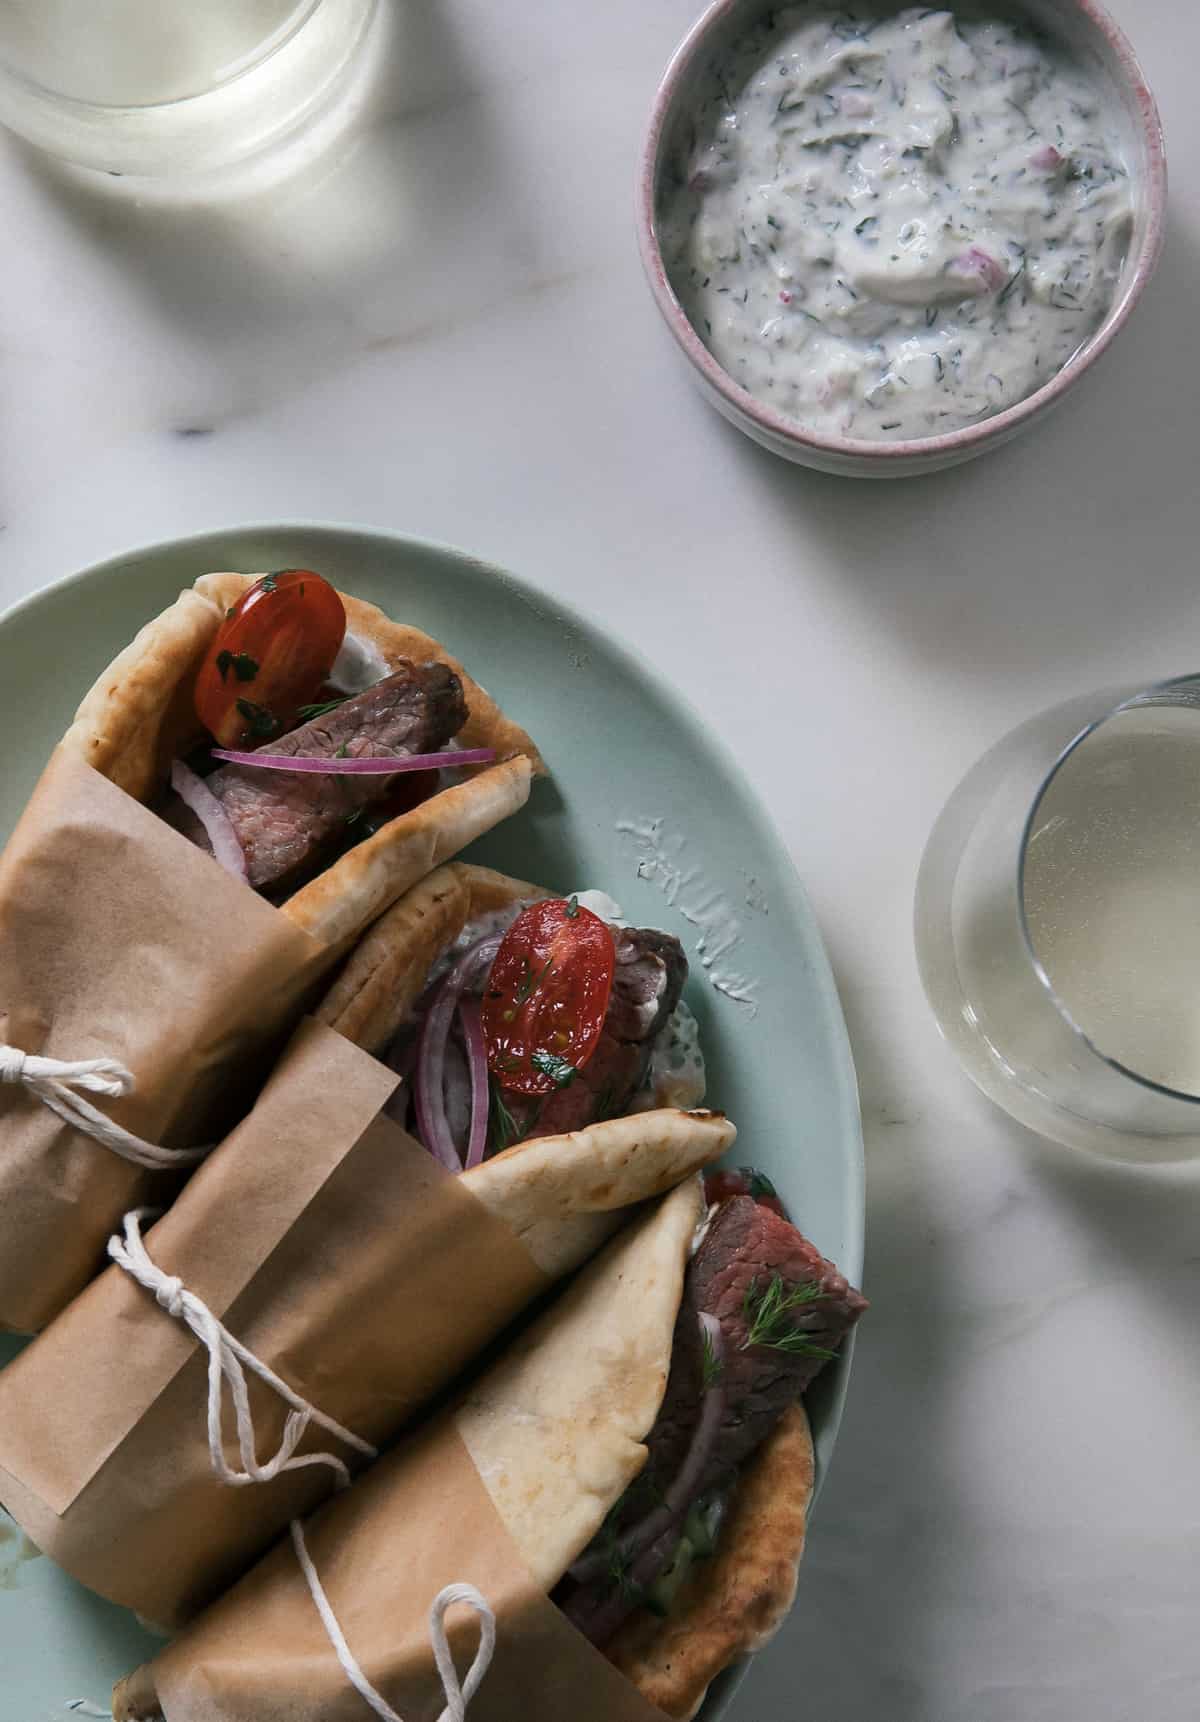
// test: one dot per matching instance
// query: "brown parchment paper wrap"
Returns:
(118, 938)
(346, 1259)
(336, 1249)
(501, 1491)
(418, 1521)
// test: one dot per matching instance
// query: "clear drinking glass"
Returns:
(153, 88)
(1058, 922)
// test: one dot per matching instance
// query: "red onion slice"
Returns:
(208, 810)
(432, 1124)
(472, 1027)
(686, 1482)
(368, 765)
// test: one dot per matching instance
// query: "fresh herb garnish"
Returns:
(307, 713)
(262, 719)
(531, 982)
(343, 752)
(759, 1184)
(552, 1064)
(572, 907)
(765, 1313)
(712, 1365)
(502, 1126)
(619, 1565)
(244, 667)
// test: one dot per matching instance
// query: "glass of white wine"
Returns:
(1058, 922)
(159, 88)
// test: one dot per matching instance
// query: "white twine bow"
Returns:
(56, 1082)
(457, 1697)
(228, 1361)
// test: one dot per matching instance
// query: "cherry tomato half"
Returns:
(272, 653)
(546, 998)
(723, 1186)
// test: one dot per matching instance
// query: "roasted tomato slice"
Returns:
(546, 998)
(272, 654)
(723, 1186)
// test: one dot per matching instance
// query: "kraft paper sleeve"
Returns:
(119, 938)
(328, 1242)
(417, 1521)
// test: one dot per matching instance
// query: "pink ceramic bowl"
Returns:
(1095, 39)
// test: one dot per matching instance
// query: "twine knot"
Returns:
(12, 1064)
(228, 1363)
(60, 1084)
(168, 1294)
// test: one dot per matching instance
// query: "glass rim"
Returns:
(86, 105)
(1148, 695)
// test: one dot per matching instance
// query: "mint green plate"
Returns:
(645, 803)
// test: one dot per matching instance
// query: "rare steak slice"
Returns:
(752, 1262)
(783, 1311)
(283, 820)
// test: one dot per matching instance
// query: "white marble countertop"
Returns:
(443, 329)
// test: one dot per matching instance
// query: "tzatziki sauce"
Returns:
(890, 226)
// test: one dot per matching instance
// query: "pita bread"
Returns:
(735, 1601)
(138, 716)
(563, 1195)
(557, 1427)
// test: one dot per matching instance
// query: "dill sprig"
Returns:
(502, 1126)
(711, 1365)
(531, 982)
(766, 1313)
(307, 713)
(560, 1070)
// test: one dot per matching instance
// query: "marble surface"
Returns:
(441, 327)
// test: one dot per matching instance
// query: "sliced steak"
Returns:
(748, 1245)
(746, 1249)
(648, 979)
(284, 820)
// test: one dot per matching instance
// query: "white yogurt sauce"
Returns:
(892, 227)
(677, 1076)
(358, 666)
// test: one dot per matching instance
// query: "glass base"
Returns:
(257, 109)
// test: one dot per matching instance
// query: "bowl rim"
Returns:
(969, 439)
